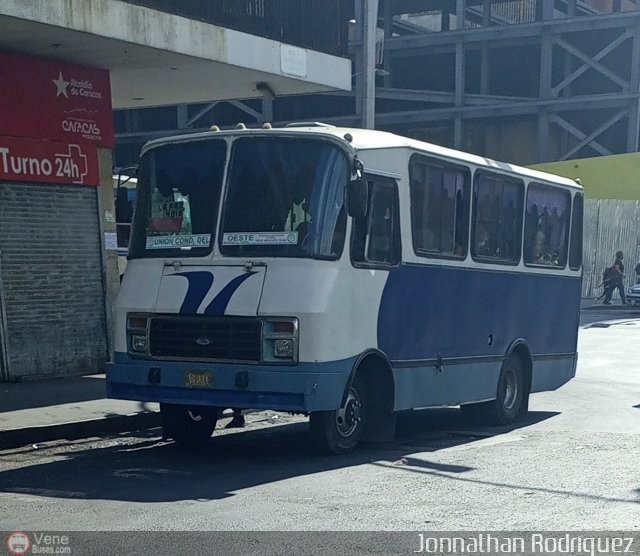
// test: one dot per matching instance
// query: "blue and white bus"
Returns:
(346, 274)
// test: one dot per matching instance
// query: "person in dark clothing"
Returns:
(615, 282)
(237, 421)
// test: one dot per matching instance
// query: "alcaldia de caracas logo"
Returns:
(75, 87)
(20, 542)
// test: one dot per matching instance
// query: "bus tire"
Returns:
(340, 430)
(188, 426)
(512, 398)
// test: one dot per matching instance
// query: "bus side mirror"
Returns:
(358, 198)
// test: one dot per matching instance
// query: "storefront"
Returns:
(57, 227)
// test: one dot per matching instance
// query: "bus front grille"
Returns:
(205, 338)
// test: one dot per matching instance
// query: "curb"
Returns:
(613, 307)
(17, 438)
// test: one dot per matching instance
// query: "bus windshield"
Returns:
(179, 187)
(284, 198)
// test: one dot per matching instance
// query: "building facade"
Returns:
(56, 135)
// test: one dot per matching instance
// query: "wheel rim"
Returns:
(349, 416)
(510, 389)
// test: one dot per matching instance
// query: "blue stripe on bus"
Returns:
(199, 285)
(219, 304)
(215, 398)
(428, 312)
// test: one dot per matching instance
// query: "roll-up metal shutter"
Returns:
(51, 280)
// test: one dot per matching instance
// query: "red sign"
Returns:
(48, 161)
(46, 99)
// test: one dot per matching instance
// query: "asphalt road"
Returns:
(572, 465)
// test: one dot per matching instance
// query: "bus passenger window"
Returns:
(376, 238)
(546, 226)
(497, 218)
(439, 207)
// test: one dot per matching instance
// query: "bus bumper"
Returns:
(302, 388)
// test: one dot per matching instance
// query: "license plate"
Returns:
(198, 379)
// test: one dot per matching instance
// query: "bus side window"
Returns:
(497, 219)
(376, 238)
(546, 225)
(439, 196)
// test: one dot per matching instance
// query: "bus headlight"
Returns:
(137, 336)
(280, 340)
(139, 343)
(283, 349)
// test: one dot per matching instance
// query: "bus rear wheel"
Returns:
(512, 398)
(188, 426)
(339, 431)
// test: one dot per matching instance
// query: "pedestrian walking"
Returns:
(615, 280)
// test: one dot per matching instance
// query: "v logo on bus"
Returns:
(199, 286)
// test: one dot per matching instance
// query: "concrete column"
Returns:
(370, 21)
(359, 58)
(546, 61)
(182, 116)
(388, 20)
(267, 110)
(106, 213)
(633, 129)
(4, 353)
(459, 76)
(459, 95)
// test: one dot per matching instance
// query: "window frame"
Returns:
(418, 158)
(480, 173)
(397, 233)
(571, 247)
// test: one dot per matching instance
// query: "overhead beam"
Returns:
(620, 100)
(564, 124)
(598, 131)
(592, 62)
(520, 31)
(439, 97)
(200, 113)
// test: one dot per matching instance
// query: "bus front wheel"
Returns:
(512, 396)
(339, 431)
(188, 426)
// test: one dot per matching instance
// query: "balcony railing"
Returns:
(315, 24)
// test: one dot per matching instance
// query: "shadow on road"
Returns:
(598, 316)
(150, 470)
(40, 393)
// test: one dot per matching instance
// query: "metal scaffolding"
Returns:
(579, 79)
(523, 80)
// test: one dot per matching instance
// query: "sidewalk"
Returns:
(588, 303)
(66, 408)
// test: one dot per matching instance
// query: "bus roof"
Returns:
(368, 139)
